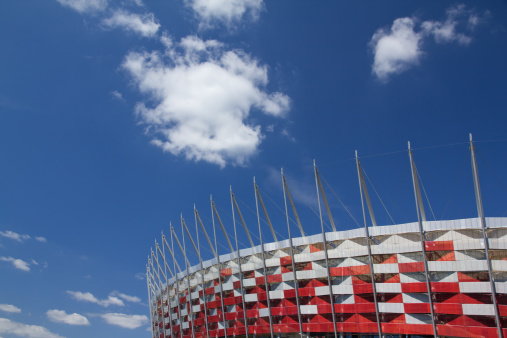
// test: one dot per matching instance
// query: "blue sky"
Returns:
(117, 116)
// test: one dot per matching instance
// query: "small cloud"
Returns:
(85, 6)
(90, 298)
(401, 47)
(14, 235)
(117, 95)
(139, 276)
(124, 320)
(144, 25)
(9, 308)
(286, 133)
(41, 239)
(59, 316)
(10, 327)
(17, 263)
(226, 12)
(125, 297)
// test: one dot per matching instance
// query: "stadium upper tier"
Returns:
(457, 266)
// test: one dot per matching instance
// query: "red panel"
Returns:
(439, 245)
(285, 260)
(417, 307)
(411, 267)
(445, 287)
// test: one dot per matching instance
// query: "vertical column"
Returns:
(421, 217)
(239, 264)
(296, 284)
(263, 259)
(482, 219)
(324, 239)
(148, 286)
(368, 239)
(224, 322)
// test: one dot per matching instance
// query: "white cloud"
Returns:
(125, 297)
(14, 235)
(24, 330)
(124, 320)
(59, 316)
(144, 25)
(202, 97)
(41, 239)
(9, 308)
(85, 6)
(117, 95)
(446, 31)
(228, 12)
(90, 298)
(400, 47)
(396, 49)
(17, 263)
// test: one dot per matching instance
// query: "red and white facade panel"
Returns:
(287, 291)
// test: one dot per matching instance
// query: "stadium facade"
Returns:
(426, 278)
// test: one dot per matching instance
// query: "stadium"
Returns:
(444, 278)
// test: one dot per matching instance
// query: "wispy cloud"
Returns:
(10, 327)
(124, 320)
(401, 46)
(90, 298)
(59, 316)
(85, 6)
(142, 24)
(20, 237)
(17, 263)
(125, 297)
(14, 235)
(227, 12)
(202, 96)
(9, 308)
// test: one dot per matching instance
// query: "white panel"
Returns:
(385, 268)
(479, 309)
(196, 308)
(417, 318)
(251, 298)
(499, 265)
(388, 287)
(322, 290)
(391, 307)
(249, 282)
(343, 289)
(278, 294)
(264, 312)
(308, 309)
(475, 287)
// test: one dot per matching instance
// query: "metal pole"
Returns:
(420, 218)
(166, 268)
(188, 277)
(148, 286)
(296, 283)
(176, 281)
(159, 271)
(239, 262)
(219, 265)
(368, 241)
(271, 331)
(482, 219)
(324, 240)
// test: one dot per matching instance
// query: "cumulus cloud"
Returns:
(9, 308)
(228, 12)
(201, 98)
(59, 316)
(41, 239)
(142, 24)
(85, 6)
(90, 298)
(401, 46)
(24, 330)
(17, 263)
(124, 320)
